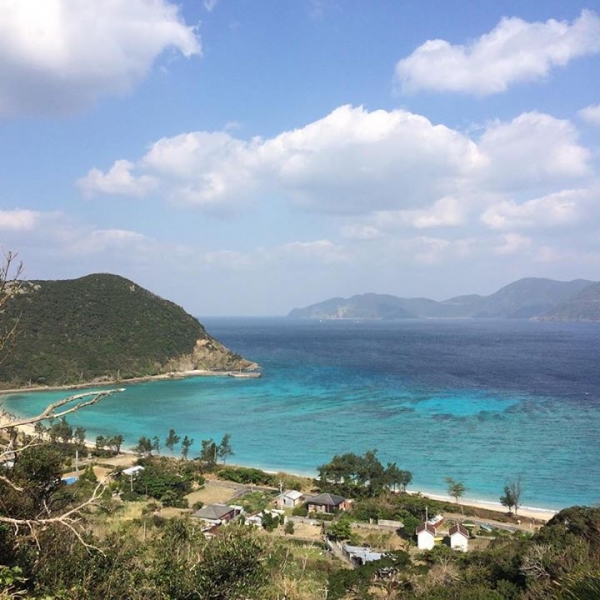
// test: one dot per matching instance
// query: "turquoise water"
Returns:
(482, 402)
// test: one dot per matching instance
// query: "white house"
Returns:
(459, 537)
(425, 536)
(133, 470)
(361, 555)
(290, 499)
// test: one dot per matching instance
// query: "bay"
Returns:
(480, 401)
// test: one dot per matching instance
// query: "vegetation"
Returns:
(511, 498)
(355, 476)
(68, 542)
(101, 326)
(169, 558)
(456, 489)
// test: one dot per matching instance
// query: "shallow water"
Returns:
(479, 401)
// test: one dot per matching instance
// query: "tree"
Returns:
(224, 449)
(115, 442)
(79, 435)
(40, 430)
(144, 446)
(208, 452)
(340, 530)
(185, 446)
(62, 431)
(456, 489)
(172, 440)
(100, 442)
(512, 495)
(350, 474)
(396, 477)
(10, 285)
(156, 444)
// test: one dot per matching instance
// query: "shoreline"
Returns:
(529, 512)
(110, 382)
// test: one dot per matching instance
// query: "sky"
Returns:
(247, 157)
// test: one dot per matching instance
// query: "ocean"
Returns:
(481, 401)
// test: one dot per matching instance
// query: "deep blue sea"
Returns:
(479, 401)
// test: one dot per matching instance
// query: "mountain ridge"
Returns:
(527, 298)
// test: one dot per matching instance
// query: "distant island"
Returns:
(103, 327)
(530, 298)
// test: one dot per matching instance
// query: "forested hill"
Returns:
(103, 326)
(523, 299)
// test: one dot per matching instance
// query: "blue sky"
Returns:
(248, 157)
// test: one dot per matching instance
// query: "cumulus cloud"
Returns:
(350, 162)
(591, 114)
(534, 149)
(118, 180)
(101, 240)
(19, 220)
(386, 170)
(561, 208)
(446, 212)
(514, 51)
(59, 56)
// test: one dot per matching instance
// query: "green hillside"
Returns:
(103, 326)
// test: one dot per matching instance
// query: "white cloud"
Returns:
(118, 180)
(446, 212)
(59, 56)
(591, 114)
(561, 208)
(514, 51)
(386, 170)
(533, 150)
(19, 220)
(513, 243)
(210, 5)
(350, 162)
(105, 240)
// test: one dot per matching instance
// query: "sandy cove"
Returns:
(118, 382)
(127, 459)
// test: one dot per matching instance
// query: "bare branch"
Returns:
(50, 411)
(10, 483)
(69, 519)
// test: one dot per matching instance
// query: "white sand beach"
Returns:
(539, 514)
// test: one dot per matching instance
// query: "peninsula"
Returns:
(104, 328)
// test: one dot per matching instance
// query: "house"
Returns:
(327, 503)
(216, 514)
(290, 499)
(425, 536)
(133, 470)
(361, 555)
(459, 537)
